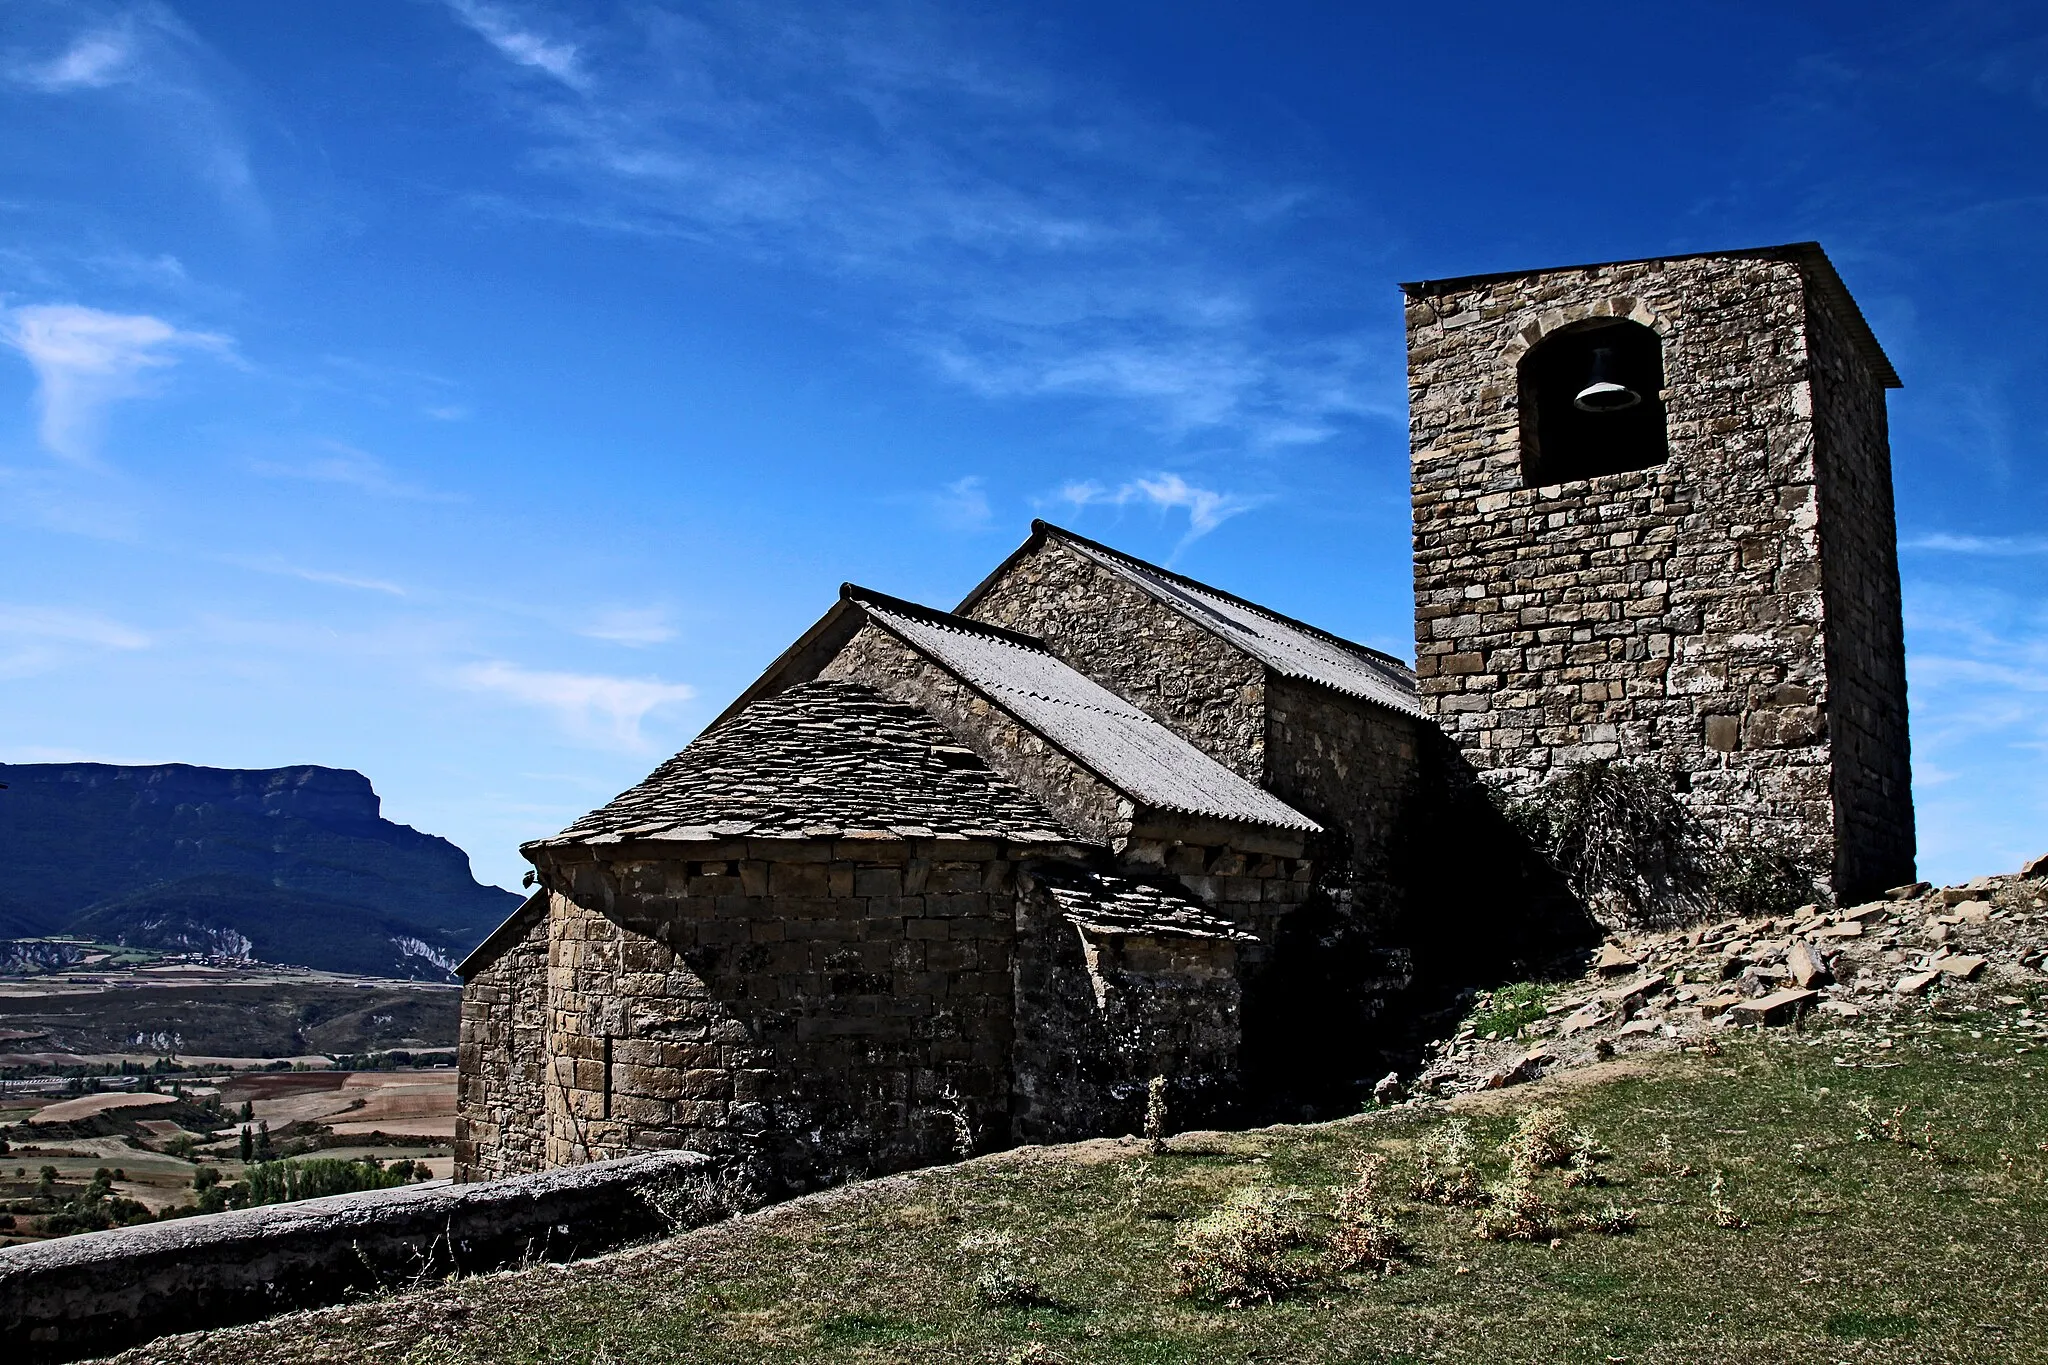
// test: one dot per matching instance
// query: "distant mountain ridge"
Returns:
(294, 865)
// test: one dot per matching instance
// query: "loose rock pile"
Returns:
(1973, 944)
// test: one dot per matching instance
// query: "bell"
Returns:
(1602, 393)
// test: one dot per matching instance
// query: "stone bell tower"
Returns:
(1653, 521)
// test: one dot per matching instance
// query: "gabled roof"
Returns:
(820, 760)
(1289, 647)
(1104, 733)
(1813, 262)
(504, 936)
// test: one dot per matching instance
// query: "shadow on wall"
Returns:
(1362, 976)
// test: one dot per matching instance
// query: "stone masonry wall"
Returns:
(1866, 652)
(1099, 1015)
(822, 1009)
(1351, 766)
(1203, 689)
(500, 1124)
(1672, 614)
(1082, 800)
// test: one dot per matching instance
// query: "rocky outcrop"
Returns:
(293, 865)
(1980, 942)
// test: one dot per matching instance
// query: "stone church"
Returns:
(945, 881)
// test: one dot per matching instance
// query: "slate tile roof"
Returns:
(820, 760)
(1106, 734)
(1105, 904)
(1288, 647)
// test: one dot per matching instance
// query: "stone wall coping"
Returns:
(339, 1215)
(98, 1292)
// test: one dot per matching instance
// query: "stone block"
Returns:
(1780, 1007)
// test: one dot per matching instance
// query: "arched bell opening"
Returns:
(1591, 400)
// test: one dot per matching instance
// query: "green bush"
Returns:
(1512, 1009)
(276, 1182)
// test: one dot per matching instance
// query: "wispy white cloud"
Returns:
(70, 626)
(591, 707)
(1032, 236)
(963, 505)
(517, 42)
(1997, 546)
(1206, 508)
(351, 468)
(36, 639)
(85, 358)
(95, 59)
(322, 576)
(139, 57)
(1977, 660)
(634, 626)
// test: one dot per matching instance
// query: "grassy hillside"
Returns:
(1859, 1192)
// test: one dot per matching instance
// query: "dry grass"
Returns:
(1816, 1242)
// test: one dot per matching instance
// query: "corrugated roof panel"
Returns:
(1289, 648)
(1126, 747)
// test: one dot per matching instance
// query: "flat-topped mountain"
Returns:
(292, 865)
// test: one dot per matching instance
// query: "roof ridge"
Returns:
(945, 620)
(1039, 526)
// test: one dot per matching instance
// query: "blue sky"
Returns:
(479, 392)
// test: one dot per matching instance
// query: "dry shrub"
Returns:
(691, 1199)
(1516, 1210)
(1240, 1253)
(1543, 1137)
(1611, 1219)
(1622, 839)
(1447, 1175)
(1723, 1212)
(1366, 1238)
(999, 1286)
(1155, 1114)
(1664, 1161)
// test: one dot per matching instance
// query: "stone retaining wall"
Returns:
(102, 1291)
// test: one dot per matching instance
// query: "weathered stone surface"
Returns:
(1777, 1008)
(1913, 983)
(1808, 971)
(1614, 961)
(1963, 968)
(2038, 867)
(1583, 1018)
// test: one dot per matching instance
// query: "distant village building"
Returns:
(941, 882)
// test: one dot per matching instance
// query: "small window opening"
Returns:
(1591, 399)
(607, 1075)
